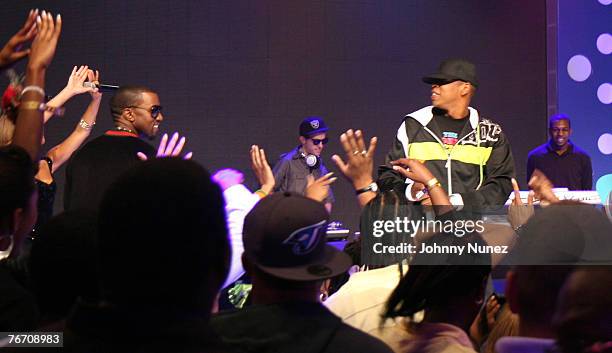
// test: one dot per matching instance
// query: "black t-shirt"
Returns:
(449, 127)
(296, 327)
(94, 167)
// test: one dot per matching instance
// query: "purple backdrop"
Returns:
(235, 73)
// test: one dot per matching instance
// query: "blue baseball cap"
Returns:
(312, 125)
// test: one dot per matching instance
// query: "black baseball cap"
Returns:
(565, 233)
(284, 235)
(453, 70)
(312, 125)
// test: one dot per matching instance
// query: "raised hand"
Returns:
(28, 130)
(487, 315)
(75, 82)
(262, 169)
(227, 178)
(318, 190)
(518, 212)
(542, 187)
(94, 77)
(359, 163)
(45, 42)
(417, 171)
(413, 169)
(170, 148)
(12, 51)
(75, 86)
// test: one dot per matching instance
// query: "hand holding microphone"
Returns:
(101, 87)
(83, 79)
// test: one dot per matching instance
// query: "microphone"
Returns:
(101, 87)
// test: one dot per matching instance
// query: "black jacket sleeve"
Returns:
(389, 179)
(498, 172)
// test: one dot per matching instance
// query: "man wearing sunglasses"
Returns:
(137, 114)
(469, 156)
(292, 170)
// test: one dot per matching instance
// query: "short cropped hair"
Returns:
(558, 117)
(127, 96)
(163, 237)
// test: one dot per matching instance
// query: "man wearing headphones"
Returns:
(292, 170)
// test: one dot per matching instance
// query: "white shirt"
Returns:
(238, 203)
(361, 301)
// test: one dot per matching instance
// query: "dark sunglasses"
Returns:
(154, 110)
(316, 142)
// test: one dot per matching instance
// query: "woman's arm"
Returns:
(28, 129)
(62, 152)
(73, 87)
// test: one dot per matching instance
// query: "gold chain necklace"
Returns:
(121, 128)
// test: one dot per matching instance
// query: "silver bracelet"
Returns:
(518, 228)
(85, 125)
(33, 88)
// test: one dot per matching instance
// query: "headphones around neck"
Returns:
(312, 161)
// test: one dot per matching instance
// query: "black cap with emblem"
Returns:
(284, 235)
(312, 125)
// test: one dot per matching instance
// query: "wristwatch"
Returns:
(372, 187)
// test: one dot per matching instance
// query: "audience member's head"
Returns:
(583, 320)
(448, 287)
(386, 207)
(63, 263)
(565, 233)
(285, 249)
(163, 242)
(532, 292)
(18, 201)
(550, 244)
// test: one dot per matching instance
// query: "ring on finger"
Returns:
(364, 152)
(355, 153)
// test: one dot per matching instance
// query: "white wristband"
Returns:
(33, 88)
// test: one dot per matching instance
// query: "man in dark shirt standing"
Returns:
(292, 170)
(565, 164)
(136, 112)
